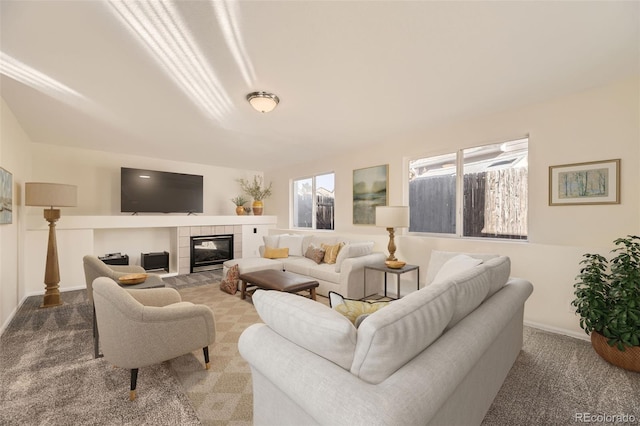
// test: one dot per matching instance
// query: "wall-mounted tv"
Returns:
(151, 191)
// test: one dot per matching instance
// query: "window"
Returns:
(476, 192)
(313, 202)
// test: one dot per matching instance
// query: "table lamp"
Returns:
(51, 195)
(392, 217)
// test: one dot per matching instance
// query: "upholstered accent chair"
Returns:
(94, 268)
(144, 327)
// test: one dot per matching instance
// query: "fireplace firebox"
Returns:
(210, 251)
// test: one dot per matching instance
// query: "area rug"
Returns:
(193, 280)
(48, 375)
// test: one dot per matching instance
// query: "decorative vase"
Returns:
(629, 359)
(257, 208)
(240, 211)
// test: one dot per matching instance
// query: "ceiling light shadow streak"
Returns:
(41, 82)
(159, 27)
(18, 71)
(226, 13)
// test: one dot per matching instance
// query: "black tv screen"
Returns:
(151, 191)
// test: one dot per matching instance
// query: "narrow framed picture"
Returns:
(370, 189)
(6, 197)
(594, 182)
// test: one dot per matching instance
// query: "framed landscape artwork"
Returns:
(6, 197)
(595, 182)
(370, 189)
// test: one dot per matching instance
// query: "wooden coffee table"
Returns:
(271, 279)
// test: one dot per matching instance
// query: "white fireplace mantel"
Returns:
(37, 222)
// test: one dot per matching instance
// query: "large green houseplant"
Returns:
(607, 298)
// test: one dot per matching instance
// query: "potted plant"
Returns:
(255, 189)
(607, 298)
(239, 201)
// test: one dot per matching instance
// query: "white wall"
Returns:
(14, 157)
(599, 124)
(97, 175)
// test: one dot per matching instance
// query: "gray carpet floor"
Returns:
(48, 376)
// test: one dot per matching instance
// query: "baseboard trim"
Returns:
(557, 330)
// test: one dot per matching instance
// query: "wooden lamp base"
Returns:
(52, 270)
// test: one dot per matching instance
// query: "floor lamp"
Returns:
(51, 195)
(392, 217)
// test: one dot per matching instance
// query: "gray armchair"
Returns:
(94, 268)
(146, 327)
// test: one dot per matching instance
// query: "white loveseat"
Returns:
(345, 276)
(438, 356)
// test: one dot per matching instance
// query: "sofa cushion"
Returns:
(455, 265)
(324, 272)
(353, 250)
(471, 288)
(298, 265)
(499, 272)
(354, 310)
(439, 258)
(276, 253)
(293, 243)
(391, 337)
(331, 252)
(309, 324)
(252, 264)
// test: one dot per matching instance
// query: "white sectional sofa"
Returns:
(346, 276)
(438, 356)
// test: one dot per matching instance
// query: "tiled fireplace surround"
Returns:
(184, 244)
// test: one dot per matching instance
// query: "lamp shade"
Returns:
(392, 216)
(263, 101)
(50, 194)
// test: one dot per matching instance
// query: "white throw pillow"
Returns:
(271, 240)
(309, 324)
(353, 250)
(454, 266)
(293, 243)
(439, 258)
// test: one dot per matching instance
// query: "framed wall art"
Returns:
(6, 197)
(595, 182)
(370, 189)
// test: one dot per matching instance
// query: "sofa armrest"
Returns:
(352, 275)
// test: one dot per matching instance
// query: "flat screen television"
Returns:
(152, 191)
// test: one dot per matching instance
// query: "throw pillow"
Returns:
(271, 240)
(455, 265)
(276, 253)
(314, 253)
(355, 310)
(331, 252)
(293, 243)
(230, 283)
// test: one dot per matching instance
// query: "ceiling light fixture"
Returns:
(263, 101)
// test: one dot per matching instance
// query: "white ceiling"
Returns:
(348, 74)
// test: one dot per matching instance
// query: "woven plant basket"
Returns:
(629, 359)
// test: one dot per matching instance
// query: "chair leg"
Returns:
(96, 336)
(134, 381)
(206, 357)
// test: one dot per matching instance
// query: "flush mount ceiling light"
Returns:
(263, 101)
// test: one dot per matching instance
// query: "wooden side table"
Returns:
(399, 271)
